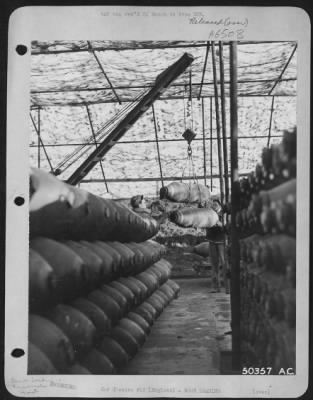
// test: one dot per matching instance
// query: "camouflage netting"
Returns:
(67, 83)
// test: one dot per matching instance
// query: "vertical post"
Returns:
(218, 128)
(211, 141)
(204, 150)
(224, 135)
(157, 143)
(38, 118)
(96, 144)
(235, 193)
(271, 119)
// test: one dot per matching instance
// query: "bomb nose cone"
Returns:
(163, 193)
(173, 216)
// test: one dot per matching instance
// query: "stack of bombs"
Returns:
(187, 217)
(267, 227)
(97, 282)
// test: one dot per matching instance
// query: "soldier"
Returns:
(157, 211)
(139, 205)
(216, 237)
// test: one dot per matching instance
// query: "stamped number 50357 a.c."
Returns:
(256, 371)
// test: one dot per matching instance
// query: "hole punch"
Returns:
(19, 201)
(21, 49)
(17, 353)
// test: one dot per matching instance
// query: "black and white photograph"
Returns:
(162, 220)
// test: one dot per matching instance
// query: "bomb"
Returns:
(77, 326)
(51, 341)
(38, 362)
(202, 249)
(141, 321)
(126, 340)
(195, 217)
(107, 304)
(70, 270)
(134, 329)
(94, 313)
(97, 363)
(65, 212)
(42, 281)
(187, 193)
(114, 352)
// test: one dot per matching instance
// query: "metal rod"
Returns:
(153, 179)
(96, 89)
(235, 197)
(204, 150)
(157, 144)
(42, 144)
(284, 69)
(223, 107)
(204, 68)
(270, 126)
(152, 141)
(96, 144)
(38, 117)
(104, 73)
(218, 128)
(211, 137)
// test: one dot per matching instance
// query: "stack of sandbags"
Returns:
(92, 301)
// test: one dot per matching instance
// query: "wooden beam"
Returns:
(270, 125)
(204, 150)
(83, 102)
(157, 144)
(223, 108)
(211, 137)
(150, 85)
(154, 179)
(151, 47)
(217, 119)
(38, 117)
(152, 141)
(161, 83)
(235, 197)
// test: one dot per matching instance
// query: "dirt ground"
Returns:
(188, 336)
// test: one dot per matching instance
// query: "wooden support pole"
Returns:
(218, 127)
(223, 107)
(235, 197)
(271, 119)
(157, 144)
(204, 150)
(211, 142)
(38, 118)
